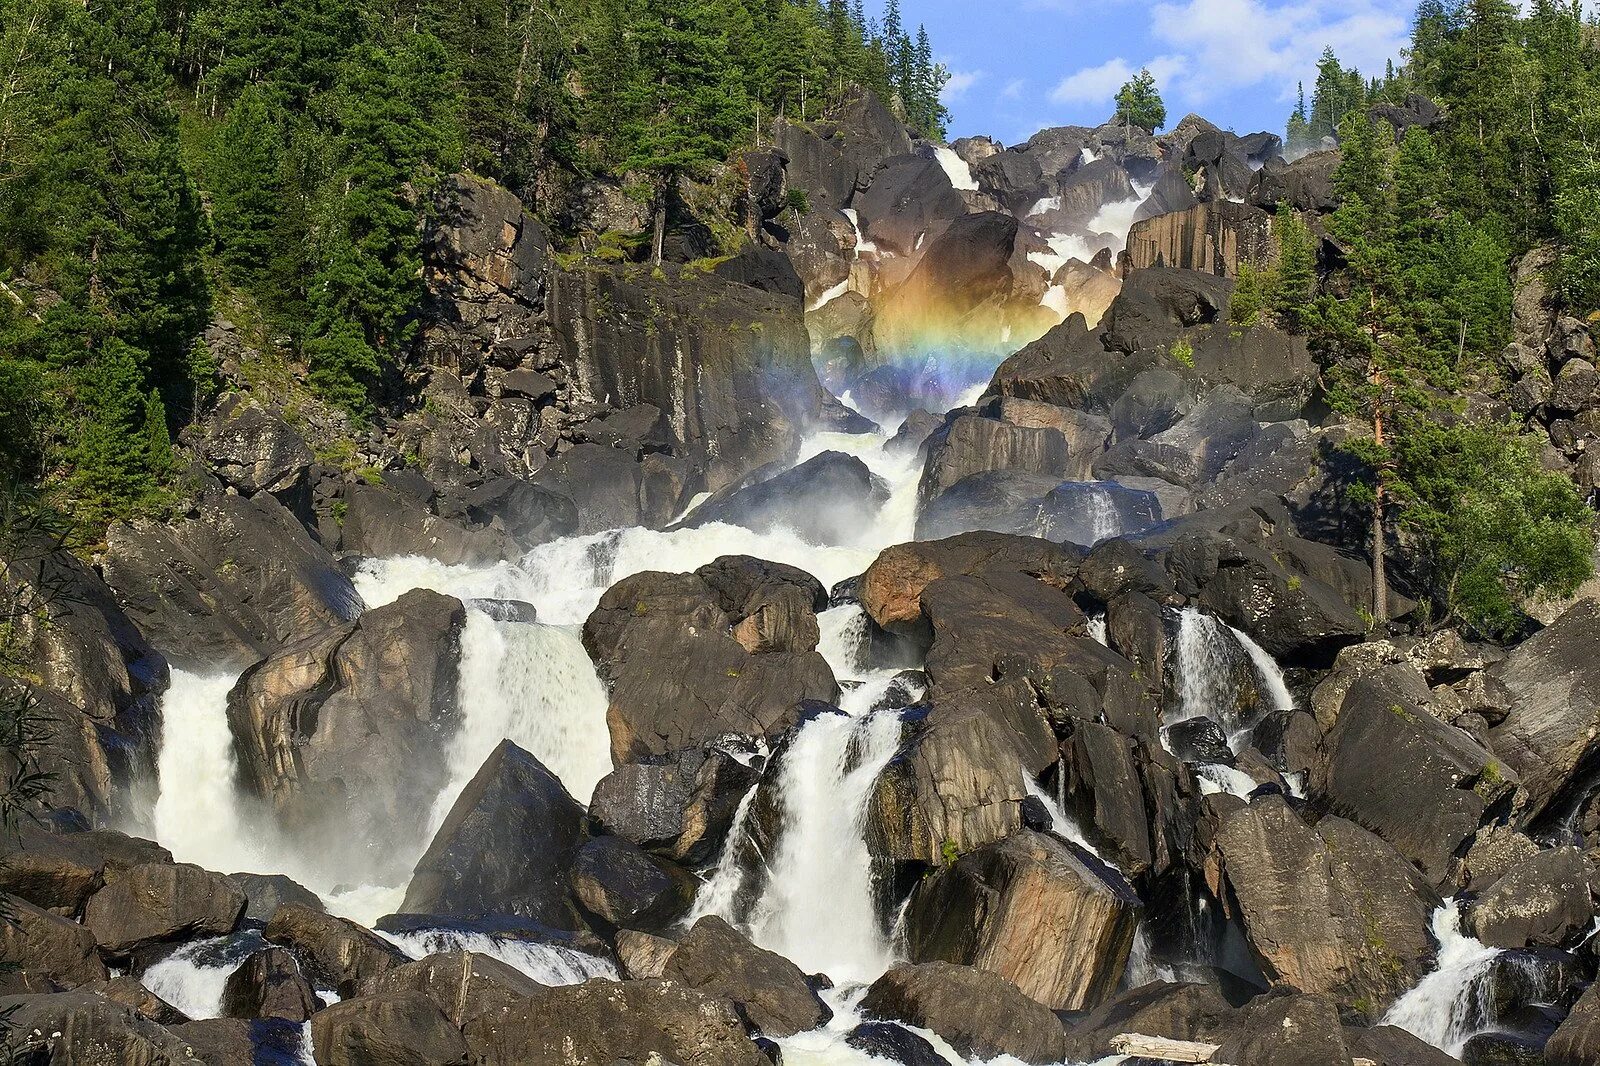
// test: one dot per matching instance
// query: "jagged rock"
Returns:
(1542, 901)
(1576, 1042)
(1118, 566)
(1193, 1012)
(978, 1013)
(1194, 450)
(680, 807)
(1306, 185)
(251, 448)
(1157, 304)
(269, 985)
(679, 679)
(763, 268)
(619, 883)
(506, 847)
(265, 893)
(388, 1029)
(991, 907)
(910, 196)
(643, 955)
(333, 952)
(769, 990)
(1332, 909)
(1554, 722)
(891, 589)
(1394, 768)
(45, 945)
(55, 871)
(894, 1043)
(344, 731)
(88, 1030)
(153, 903)
(972, 444)
(1272, 1030)
(914, 432)
(1577, 387)
(1214, 238)
(604, 1022)
(827, 499)
(1172, 193)
(1086, 434)
(832, 159)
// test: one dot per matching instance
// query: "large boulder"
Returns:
(333, 952)
(1194, 450)
(995, 908)
(980, 1014)
(622, 885)
(345, 731)
(680, 807)
(1554, 725)
(1157, 305)
(832, 159)
(910, 196)
(892, 587)
(1576, 1042)
(60, 871)
(85, 1029)
(1194, 1012)
(1304, 1030)
(1327, 909)
(231, 582)
(269, 985)
(159, 903)
(1543, 901)
(251, 448)
(958, 290)
(48, 946)
(971, 444)
(388, 1029)
(381, 522)
(463, 984)
(828, 499)
(769, 990)
(601, 1023)
(507, 846)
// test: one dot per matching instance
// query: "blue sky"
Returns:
(1021, 65)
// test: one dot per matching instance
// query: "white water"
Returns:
(1061, 823)
(1097, 629)
(548, 964)
(1203, 669)
(190, 985)
(197, 809)
(1269, 675)
(1444, 1008)
(830, 295)
(862, 244)
(955, 169)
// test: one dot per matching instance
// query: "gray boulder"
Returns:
(980, 1014)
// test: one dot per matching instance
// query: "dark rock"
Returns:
(1393, 1046)
(605, 1022)
(680, 807)
(1305, 185)
(769, 990)
(764, 268)
(531, 514)
(958, 290)
(895, 1043)
(1156, 305)
(506, 847)
(265, 893)
(1576, 1042)
(262, 1042)
(152, 904)
(463, 984)
(344, 731)
(909, 196)
(389, 1029)
(988, 909)
(269, 985)
(381, 522)
(619, 883)
(1004, 501)
(88, 1030)
(918, 426)
(48, 946)
(891, 589)
(1540, 902)
(970, 444)
(1176, 1011)
(1278, 1029)
(250, 448)
(333, 952)
(827, 499)
(978, 1013)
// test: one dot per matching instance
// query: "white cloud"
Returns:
(1099, 85)
(960, 81)
(1013, 89)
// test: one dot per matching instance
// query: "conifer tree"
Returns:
(1139, 103)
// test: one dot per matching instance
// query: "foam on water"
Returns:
(547, 964)
(1444, 1008)
(193, 976)
(956, 169)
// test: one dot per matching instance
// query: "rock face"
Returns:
(235, 581)
(251, 448)
(346, 730)
(47, 946)
(398, 1028)
(333, 952)
(996, 907)
(971, 444)
(1213, 237)
(604, 1022)
(1541, 902)
(828, 499)
(157, 903)
(1331, 909)
(980, 1014)
(506, 847)
(769, 989)
(1552, 729)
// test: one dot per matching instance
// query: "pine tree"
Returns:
(1298, 132)
(1139, 103)
(1296, 267)
(1337, 93)
(245, 175)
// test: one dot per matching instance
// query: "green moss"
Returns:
(949, 852)
(1182, 353)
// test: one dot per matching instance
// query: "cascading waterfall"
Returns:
(547, 964)
(1205, 683)
(193, 976)
(1445, 1008)
(197, 814)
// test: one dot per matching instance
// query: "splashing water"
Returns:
(1204, 670)
(547, 964)
(956, 169)
(193, 976)
(197, 814)
(1445, 1008)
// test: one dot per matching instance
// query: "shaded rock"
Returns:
(908, 197)
(681, 807)
(896, 1043)
(827, 499)
(344, 731)
(387, 1029)
(1157, 305)
(619, 883)
(771, 991)
(333, 952)
(603, 1022)
(46, 945)
(505, 848)
(1576, 1042)
(269, 985)
(260, 1042)
(153, 903)
(1331, 909)
(250, 448)
(129, 992)
(1542, 901)
(1176, 1011)
(381, 522)
(1393, 1046)
(978, 1013)
(531, 514)
(88, 1030)
(993, 907)
(971, 444)
(463, 984)
(1278, 1029)
(265, 893)
(1305, 185)
(1105, 793)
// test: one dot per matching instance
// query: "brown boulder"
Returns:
(980, 1014)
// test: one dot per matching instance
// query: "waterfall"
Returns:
(956, 170)
(1097, 628)
(1268, 673)
(197, 815)
(193, 976)
(535, 686)
(1446, 1007)
(1061, 823)
(844, 639)
(1204, 670)
(719, 894)
(818, 907)
(547, 964)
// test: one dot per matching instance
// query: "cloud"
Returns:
(1013, 89)
(1098, 85)
(960, 81)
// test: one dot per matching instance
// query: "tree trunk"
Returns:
(660, 235)
(1380, 574)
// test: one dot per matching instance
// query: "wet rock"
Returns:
(463, 984)
(1576, 1042)
(914, 432)
(891, 589)
(980, 1014)
(265, 893)
(895, 1043)
(151, 904)
(82, 1028)
(1393, 1046)
(47, 945)
(260, 1042)
(971, 444)
(333, 952)
(770, 991)
(344, 731)
(681, 807)
(506, 847)
(389, 1029)
(1394, 768)
(1004, 501)
(269, 985)
(1554, 724)
(909, 196)
(381, 522)
(826, 500)
(1276, 1029)
(1542, 901)
(250, 447)
(1332, 909)
(619, 883)
(1105, 794)
(605, 1022)
(230, 583)
(990, 908)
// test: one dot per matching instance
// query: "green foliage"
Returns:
(1296, 268)
(1182, 353)
(1339, 92)
(1251, 295)
(1139, 103)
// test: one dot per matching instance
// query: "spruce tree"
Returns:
(1139, 103)
(245, 175)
